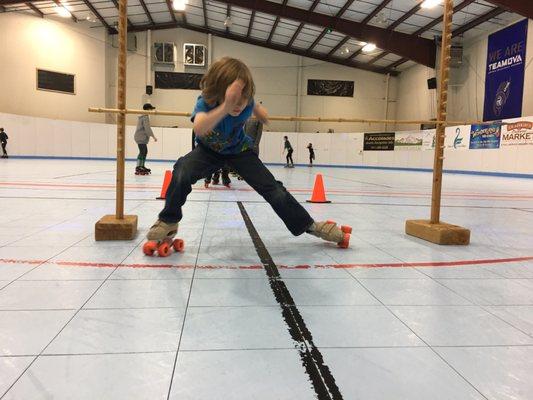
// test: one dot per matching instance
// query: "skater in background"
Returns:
(215, 178)
(289, 149)
(219, 115)
(311, 154)
(3, 140)
(142, 137)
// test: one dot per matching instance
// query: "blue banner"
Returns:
(504, 81)
(485, 136)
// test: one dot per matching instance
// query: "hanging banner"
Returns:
(518, 132)
(429, 137)
(379, 141)
(504, 81)
(408, 140)
(485, 136)
(457, 137)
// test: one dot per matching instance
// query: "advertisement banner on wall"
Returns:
(379, 141)
(457, 137)
(517, 132)
(485, 136)
(408, 140)
(428, 139)
(504, 81)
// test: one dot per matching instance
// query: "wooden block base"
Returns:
(441, 233)
(111, 228)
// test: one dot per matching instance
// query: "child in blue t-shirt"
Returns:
(226, 103)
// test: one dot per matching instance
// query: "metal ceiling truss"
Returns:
(522, 7)
(408, 46)
(417, 49)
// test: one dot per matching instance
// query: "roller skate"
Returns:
(330, 232)
(140, 171)
(148, 171)
(161, 239)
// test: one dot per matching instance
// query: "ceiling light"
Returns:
(430, 3)
(90, 17)
(179, 5)
(369, 47)
(62, 11)
(228, 22)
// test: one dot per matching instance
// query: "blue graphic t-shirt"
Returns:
(228, 136)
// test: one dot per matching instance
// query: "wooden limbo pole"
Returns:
(119, 226)
(434, 230)
(290, 118)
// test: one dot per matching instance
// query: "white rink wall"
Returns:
(42, 137)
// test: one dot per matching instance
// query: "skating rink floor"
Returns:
(393, 317)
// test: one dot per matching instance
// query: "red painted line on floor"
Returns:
(285, 267)
(295, 190)
(429, 264)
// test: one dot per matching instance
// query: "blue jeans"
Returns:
(202, 162)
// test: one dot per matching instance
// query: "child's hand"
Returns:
(233, 95)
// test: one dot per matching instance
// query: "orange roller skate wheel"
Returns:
(178, 245)
(346, 229)
(345, 242)
(163, 250)
(149, 248)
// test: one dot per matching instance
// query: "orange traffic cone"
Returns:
(166, 183)
(319, 194)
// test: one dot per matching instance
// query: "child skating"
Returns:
(311, 154)
(143, 132)
(3, 140)
(222, 109)
(215, 178)
(287, 146)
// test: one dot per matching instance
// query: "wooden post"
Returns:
(433, 230)
(119, 226)
(121, 104)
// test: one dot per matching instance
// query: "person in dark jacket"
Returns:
(142, 137)
(3, 140)
(288, 147)
(311, 154)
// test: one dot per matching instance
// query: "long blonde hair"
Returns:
(223, 73)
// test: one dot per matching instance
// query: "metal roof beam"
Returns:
(418, 49)
(273, 46)
(35, 9)
(299, 29)
(276, 22)
(324, 31)
(522, 7)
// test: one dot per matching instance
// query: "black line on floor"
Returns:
(312, 360)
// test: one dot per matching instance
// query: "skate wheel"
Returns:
(346, 229)
(345, 242)
(149, 248)
(163, 250)
(178, 245)
(331, 222)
